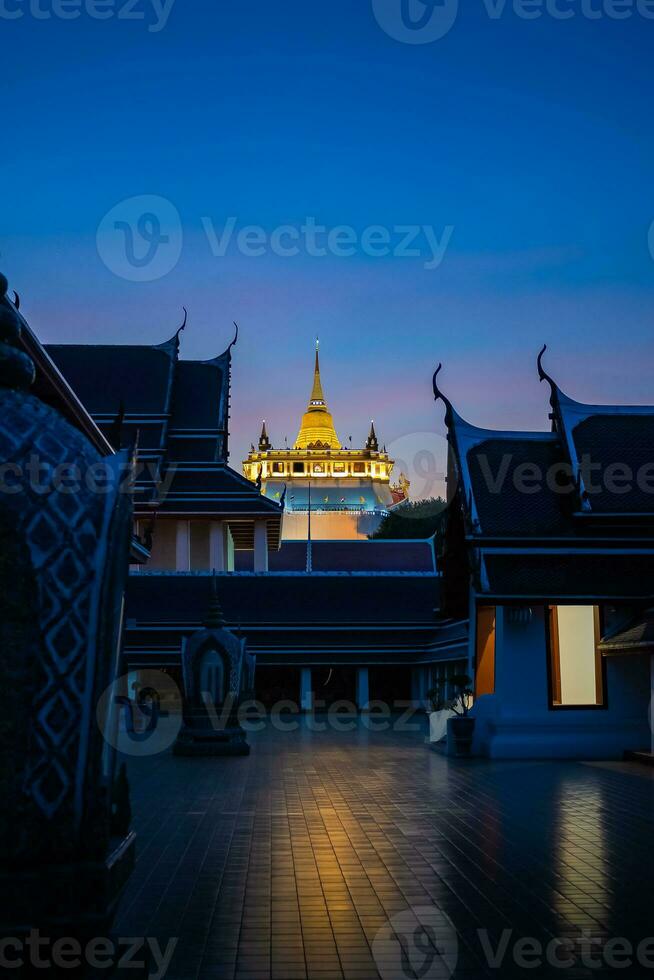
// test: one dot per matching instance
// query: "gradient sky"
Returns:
(533, 139)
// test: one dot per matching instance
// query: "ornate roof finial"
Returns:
(282, 499)
(372, 442)
(185, 321)
(544, 376)
(449, 410)
(264, 441)
(215, 619)
(542, 373)
(16, 368)
(258, 479)
(235, 340)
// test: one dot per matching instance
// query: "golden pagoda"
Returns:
(321, 475)
(317, 429)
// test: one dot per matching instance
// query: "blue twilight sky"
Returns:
(523, 145)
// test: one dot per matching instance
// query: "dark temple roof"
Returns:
(636, 637)
(352, 556)
(178, 414)
(503, 469)
(611, 452)
(561, 514)
(293, 599)
(622, 441)
(569, 575)
(103, 376)
(198, 428)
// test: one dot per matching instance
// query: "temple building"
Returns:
(325, 619)
(192, 510)
(330, 490)
(557, 531)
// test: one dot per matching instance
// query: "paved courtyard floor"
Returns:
(356, 855)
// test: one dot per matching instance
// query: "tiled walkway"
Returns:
(291, 863)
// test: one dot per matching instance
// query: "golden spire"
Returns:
(317, 397)
(317, 428)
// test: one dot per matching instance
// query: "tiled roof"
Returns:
(514, 490)
(636, 637)
(588, 575)
(103, 376)
(198, 426)
(285, 599)
(179, 411)
(351, 556)
(618, 441)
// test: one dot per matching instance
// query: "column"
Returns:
(183, 547)
(217, 547)
(306, 694)
(363, 694)
(261, 546)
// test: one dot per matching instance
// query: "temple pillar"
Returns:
(306, 693)
(363, 692)
(183, 546)
(261, 546)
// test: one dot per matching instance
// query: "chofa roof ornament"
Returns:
(544, 376)
(438, 394)
(183, 326)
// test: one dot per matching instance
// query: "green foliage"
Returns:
(413, 519)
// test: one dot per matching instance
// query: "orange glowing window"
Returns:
(485, 667)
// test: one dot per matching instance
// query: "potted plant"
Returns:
(441, 711)
(460, 727)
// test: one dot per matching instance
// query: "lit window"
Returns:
(575, 662)
(278, 467)
(359, 468)
(485, 666)
(339, 467)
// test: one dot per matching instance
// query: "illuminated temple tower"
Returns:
(346, 491)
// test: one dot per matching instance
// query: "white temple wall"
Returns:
(164, 547)
(330, 525)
